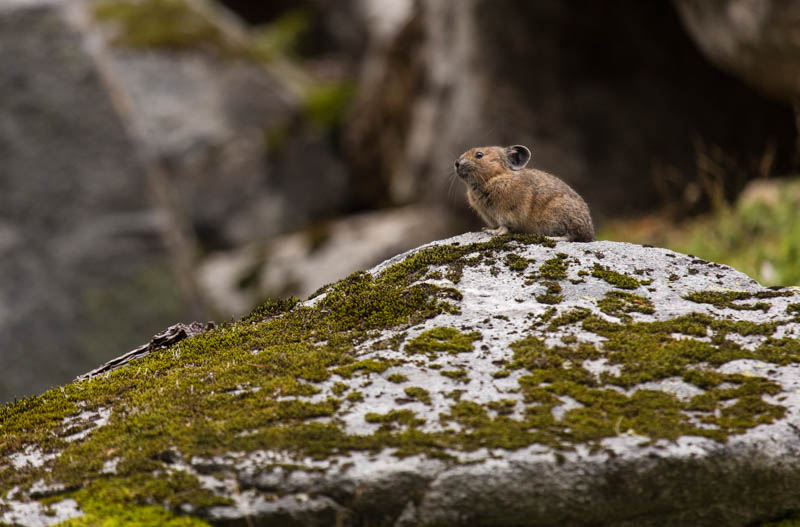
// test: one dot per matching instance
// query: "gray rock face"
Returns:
(575, 384)
(228, 130)
(756, 40)
(207, 118)
(77, 232)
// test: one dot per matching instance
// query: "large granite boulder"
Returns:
(84, 269)
(755, 40)
(473, 381)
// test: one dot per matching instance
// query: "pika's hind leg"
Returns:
(499, 231)
(559, 238)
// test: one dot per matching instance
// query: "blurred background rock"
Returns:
(167, 160)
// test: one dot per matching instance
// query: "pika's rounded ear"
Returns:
(518, 156)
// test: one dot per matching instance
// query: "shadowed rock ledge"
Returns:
(472, 381)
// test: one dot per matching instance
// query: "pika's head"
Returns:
(478, 165)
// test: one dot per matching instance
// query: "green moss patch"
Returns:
(171, 24)
(354, 397)
(794, 311)
(325, 103)
(397, 378)
(727, 299)
(420, 394)
(552, 295)
(98, 514)
(395, 417)
(339, 388)
(570, 317)
(502, 406)
(437, 340)
(517, 263)
(614, 278)
(555, 268)
(619, 304)
(458, 375)
(281, 37)
(181, 25)
(648, 351)
(368, 365)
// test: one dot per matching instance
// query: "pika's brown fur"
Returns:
(512, 198)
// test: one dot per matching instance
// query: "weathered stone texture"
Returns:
(758, 41)
(534, 383)
(77, 231)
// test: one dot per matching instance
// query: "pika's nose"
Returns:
(458, 162)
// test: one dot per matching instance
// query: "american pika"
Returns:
(512, 198)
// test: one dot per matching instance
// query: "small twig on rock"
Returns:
(165, 339)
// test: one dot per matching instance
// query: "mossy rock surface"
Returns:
(447, 386)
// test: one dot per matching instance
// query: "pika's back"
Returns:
(511, 198)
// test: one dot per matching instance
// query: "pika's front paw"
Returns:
(499, 231)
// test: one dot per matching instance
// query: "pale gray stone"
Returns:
(623, 480)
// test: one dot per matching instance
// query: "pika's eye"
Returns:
(478, 155)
